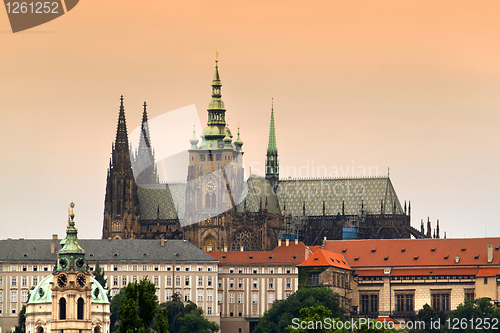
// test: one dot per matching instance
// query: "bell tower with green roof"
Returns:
(272, 165)
(215, 175)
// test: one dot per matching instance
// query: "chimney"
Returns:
(324, 243)
(457, 259)
(490, 253)
(241, 248)
(296, 241)
(279, 242)
(225, 248)
(162, 241)
(287, 242)
(52, 247)
(54, 236)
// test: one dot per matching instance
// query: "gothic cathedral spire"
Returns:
(121, 204)
(216, 124)
(144, 161)
(272, 165)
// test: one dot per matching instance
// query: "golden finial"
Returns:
(216, 56)
(72, 215)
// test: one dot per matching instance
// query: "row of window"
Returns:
(168, 281)
(369, 303)
(255, 283)
(13, 296)
(14, 282)
(135, 267)
(256, 270)
(25, 268)
(218, 157)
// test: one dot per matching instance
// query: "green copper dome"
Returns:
(43, 291)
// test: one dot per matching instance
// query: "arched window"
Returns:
(97, 330)
(207, 201)
(62, 308)
(39, 330)
(79, 314)
(214, 204)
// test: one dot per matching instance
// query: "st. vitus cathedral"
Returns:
(216, 208)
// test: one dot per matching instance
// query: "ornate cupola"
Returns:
(216, 124)
(71, 257)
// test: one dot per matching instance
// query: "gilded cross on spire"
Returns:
(216, 56)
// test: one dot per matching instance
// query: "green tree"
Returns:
(427, 314)
(162, 323)
(186, 318)
(194, 322)
(21, 321)
(277, 319)
(99, 275)
(115, 303)
(129, 318)
(314, 315)
(470, 317)
(139, 307)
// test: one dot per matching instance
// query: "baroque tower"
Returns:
(121, 204)
(70, 299)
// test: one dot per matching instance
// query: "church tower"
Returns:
(215, 177)
(72, 289)
(272, 165)
(69, 300)
(121, 205)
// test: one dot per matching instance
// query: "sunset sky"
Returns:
(411, 85)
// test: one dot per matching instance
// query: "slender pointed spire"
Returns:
(144, 162)
(271, 146)
(272, 164)
(121, 142)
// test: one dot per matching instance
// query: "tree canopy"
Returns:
(277, 319)
(99, 275)
(478, 315)
(187, 318)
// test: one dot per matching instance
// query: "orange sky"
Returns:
(410, 85)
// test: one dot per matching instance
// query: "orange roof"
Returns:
(281, 254)
(487, 272)
(371, 253)
(418, 271)
(326, 258)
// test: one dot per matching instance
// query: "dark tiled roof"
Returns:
(334, 191)
(154, 199)
(417, 252)
(293, 193)
(105, 250)
(259, 189)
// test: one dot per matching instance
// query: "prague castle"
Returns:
(216, 208)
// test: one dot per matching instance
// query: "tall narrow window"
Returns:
(80, 309)
(62, 308)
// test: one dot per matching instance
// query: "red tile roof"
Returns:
(281, 254)
(487, 272)
(326, 258)
(419, 271)
(371, 253)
